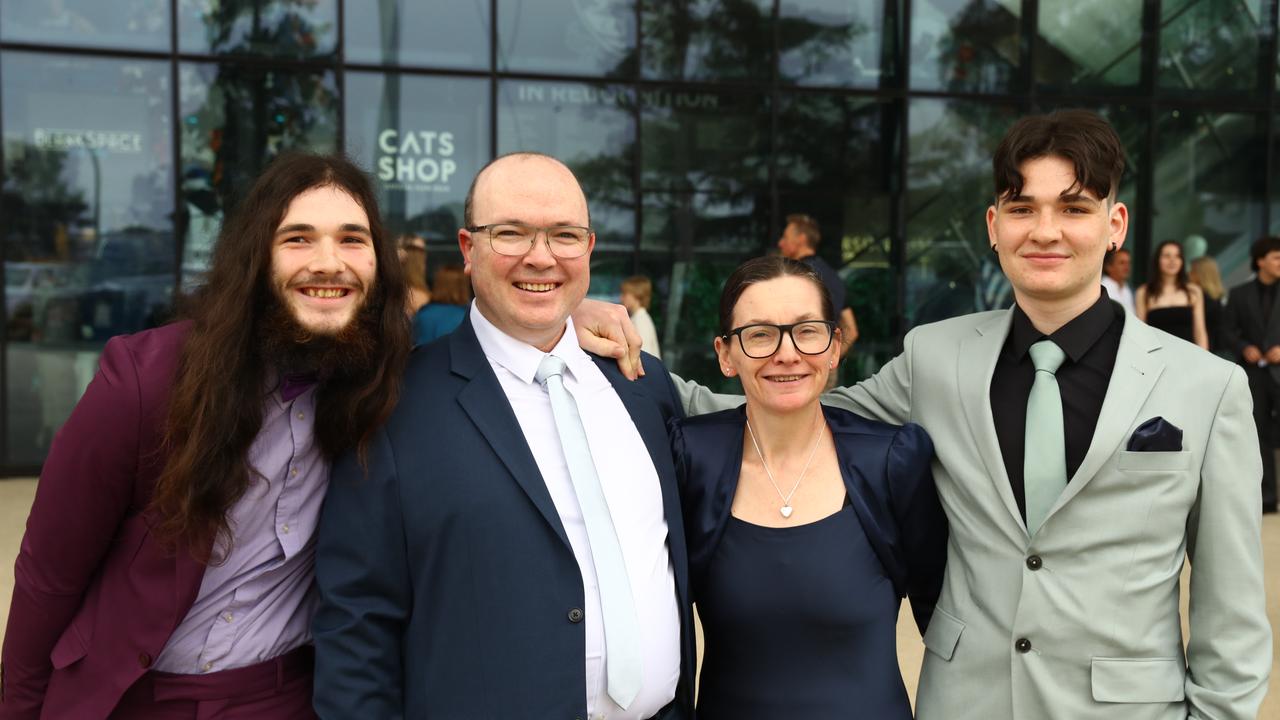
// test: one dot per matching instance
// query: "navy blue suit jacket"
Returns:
(446, 579)
(886, 476)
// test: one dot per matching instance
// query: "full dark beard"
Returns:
(293, 349)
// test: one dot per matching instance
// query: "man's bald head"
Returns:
(502, 163)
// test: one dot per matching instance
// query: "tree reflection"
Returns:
(282, 28)
(707, 39)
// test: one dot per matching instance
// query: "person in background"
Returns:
(799, 241)
(806, 525)
(1204, 272)
(413, 261)
(1169, 301)
(637, 292)
(450, 295)
(168, 563)
(1115, 277)
(1251, 331)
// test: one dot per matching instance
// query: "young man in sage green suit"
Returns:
(1070, 522)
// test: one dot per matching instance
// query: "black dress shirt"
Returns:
(1267, 299)
(1090, 341)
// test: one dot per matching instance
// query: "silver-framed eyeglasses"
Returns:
(811, 337)
(516, 239)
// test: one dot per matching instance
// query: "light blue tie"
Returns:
(1044, 464)
(618, 607)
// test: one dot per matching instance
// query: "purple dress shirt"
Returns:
(258, 604)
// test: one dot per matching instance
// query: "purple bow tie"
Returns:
(291, 386)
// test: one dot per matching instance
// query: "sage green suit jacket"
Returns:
(1099, 601)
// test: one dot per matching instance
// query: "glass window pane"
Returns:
(835, 42)
(403, 32)
(707, 39)
(950, 267)
(234, 120)
(1208, 184)
(87, 225)
(423, 139)
(135, 25)
(275, 28)
(1210, 44)
(708, 141)
(568, 36)
(965, 45)
(592, 129)
(1089, 44)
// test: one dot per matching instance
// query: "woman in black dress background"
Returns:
(1169, 301)
(806, 525)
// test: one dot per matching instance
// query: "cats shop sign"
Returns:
(416, 159)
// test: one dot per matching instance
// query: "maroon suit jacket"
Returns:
(95, 597)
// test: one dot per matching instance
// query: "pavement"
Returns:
(16, 497)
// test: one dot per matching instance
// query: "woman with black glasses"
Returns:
(806, 525)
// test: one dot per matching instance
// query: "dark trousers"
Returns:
(279, 689)
(1266, 407)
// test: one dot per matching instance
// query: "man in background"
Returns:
(799, 241)
(1115, 277)
(637, 292)
(1251, 332)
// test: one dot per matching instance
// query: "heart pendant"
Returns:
(786, 511)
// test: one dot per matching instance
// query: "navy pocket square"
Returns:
(1156, 435)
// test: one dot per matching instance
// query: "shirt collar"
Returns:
(1075, 338)
(520, 358)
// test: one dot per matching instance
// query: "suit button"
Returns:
(1023, 645)
(144, 660)
(575, 615)
(1034, 562)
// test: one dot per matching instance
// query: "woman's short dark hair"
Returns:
(1079, 136)
(757, 270)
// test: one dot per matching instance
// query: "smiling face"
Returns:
(1052, 237)
(788, 380)
(1170, 260)
(528, 297)
(323, 263)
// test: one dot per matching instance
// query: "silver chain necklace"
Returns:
(786, 508)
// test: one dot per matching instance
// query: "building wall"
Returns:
(130, 127)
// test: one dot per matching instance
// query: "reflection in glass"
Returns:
(234, 121)
(1210, 44)
(128, 24)
(275, 28)
(965, 45)
(950, 267)
(833, 42)
(707, 39)
(1089, 43)
(86, 217)
(1209, 183)
(577, 37)
(405, 32)
(708, 141)
(592, 129)
(423, 139)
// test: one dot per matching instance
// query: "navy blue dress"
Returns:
(801, 622)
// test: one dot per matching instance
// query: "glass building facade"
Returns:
(130, 127)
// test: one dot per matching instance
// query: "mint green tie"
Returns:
(617, 605)
(1044, 464)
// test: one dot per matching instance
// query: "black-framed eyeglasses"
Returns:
(811, 337)
(516, 239)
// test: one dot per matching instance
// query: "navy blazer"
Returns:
(887, 476)
(448, 587)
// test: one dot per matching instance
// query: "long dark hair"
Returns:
(215, 407)
(1155, 279)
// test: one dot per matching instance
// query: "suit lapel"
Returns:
(1132, 379)
(977, 361)
(486, 404)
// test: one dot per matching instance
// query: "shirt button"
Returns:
(208, 666)
(228, 617)
(293, 472)
(301, 415)
(1034, 562)
(284, 529)
(575, 615)
(144, 660)
(1023, 645)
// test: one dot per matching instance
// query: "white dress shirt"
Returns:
(1122, 295)
(648, 333)
(630, 485)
